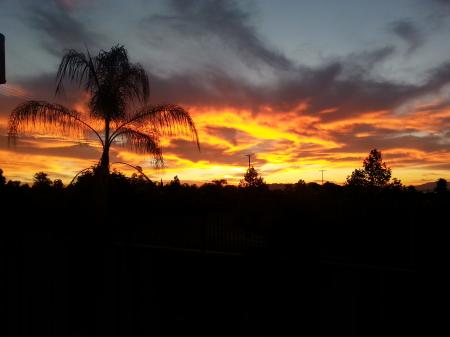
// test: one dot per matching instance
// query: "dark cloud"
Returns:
(324, 88)
(409, 32)
(40, 87)
(442, 2)
(71, 4)
(438, 77)
(61, 29)
(361, 64)
(443, 166)
(27, 145)
(43, 87)
(388, 139)
(346, 84)
(213, 154)
(212, 87)
(7, 104)
(435, 107)
(330, 86)
(231, 135)
(224, 20)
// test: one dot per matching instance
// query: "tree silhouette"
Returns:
(175, 182)
(2, 179)
(220, 182)
(252, 179)
(58, 184)
(358, 178)
(374, 173)
(396, 184)
(378, 174)
(441, 186)
(114, 86)
(41, 180)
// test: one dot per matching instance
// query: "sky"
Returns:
(304, 85)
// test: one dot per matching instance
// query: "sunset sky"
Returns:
(305, 85)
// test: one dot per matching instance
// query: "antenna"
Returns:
(322, 174)
(249, 158)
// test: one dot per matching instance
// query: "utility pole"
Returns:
(322, 174)
(249, 158)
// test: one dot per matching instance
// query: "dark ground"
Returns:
(222, 262)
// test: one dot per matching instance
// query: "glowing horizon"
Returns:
(222, 156)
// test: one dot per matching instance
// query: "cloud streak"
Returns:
(225, 21)
(59, 28)
(409, 32)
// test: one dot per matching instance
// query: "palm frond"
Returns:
(168, 119)
(56, 116)
(75, 66)
(135, 83)
(142, 142)
(112, 81)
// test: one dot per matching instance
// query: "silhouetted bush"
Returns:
(441, 186)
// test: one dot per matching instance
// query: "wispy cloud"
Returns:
(408, 31)
(59, 27)
(209, 21)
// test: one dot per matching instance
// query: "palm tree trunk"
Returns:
(103, 179)
(104, 161)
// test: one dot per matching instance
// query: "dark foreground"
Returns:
(216, 261)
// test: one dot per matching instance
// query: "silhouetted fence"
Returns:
(63, 286)
(212, 234)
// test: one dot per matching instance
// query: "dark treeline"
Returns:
(180, 214)
(365, 247)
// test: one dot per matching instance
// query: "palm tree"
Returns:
(115, 85)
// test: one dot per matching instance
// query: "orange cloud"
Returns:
(288, 146)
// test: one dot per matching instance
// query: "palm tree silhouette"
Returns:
(115, 85)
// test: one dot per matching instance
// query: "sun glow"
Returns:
(288, 146)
